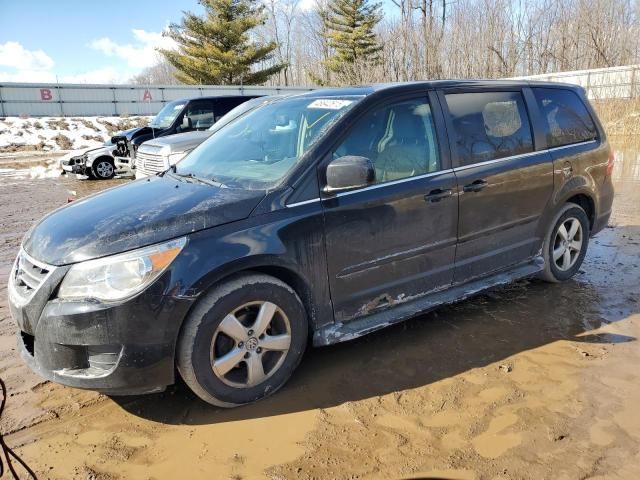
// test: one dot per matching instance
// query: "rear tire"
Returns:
(565, 244)
(242, 341)
(103, 169)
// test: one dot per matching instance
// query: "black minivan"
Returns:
(322, 216)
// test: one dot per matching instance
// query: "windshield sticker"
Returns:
(330, 103)
(178, 107)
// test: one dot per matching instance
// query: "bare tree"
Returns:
(159, 74)
(429, 39)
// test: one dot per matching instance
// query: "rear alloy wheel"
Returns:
(103, 169)
(242, 341)
(566, 243)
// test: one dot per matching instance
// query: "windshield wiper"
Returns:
(195, 178)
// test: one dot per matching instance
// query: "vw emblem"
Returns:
(252, 344)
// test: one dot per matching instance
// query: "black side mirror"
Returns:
(349, 172)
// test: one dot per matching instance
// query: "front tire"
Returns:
(242, 341)
(103, 169)
(565, 244)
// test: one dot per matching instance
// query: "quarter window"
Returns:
(489, 125)
(566, 117)
(399, 138)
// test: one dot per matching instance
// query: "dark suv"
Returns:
(179, 116)
(326, 215)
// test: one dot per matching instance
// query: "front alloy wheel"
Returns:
(103, 169)
(250, 344)
(242, 340)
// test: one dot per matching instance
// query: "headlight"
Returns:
(119, 276)
(176, 157)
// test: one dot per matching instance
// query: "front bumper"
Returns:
(74, 167)
(119, 349)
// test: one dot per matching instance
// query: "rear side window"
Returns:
(566, 117)
(489, 125)
(201, 115)
(225, 105)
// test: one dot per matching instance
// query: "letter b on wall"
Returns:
(46, 95)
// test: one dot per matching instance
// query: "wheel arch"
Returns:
(91, 161)
(266, 265)
(587, 203)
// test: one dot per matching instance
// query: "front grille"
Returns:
(28, 275)
(150, 164)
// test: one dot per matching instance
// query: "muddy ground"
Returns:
(530, 381)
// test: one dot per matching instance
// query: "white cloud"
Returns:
(138, 55)
(18, 64)
(307, 5)
(14, 55)
(99, 75)
(24, 65)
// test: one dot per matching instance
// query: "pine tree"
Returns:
(216, 49)
(349, 25)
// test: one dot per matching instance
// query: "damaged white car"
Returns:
(94, 162)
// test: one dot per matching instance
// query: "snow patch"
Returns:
(62, 133)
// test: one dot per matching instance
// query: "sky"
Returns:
(86, 41)
(83, 41)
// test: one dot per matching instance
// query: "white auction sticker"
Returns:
(330, 103)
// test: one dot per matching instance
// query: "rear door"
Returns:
(393, 240)
(504, 183)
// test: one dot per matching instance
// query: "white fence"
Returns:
(600, 83)
(44, 99)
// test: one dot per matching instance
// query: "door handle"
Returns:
(438, 194)
(475, 186)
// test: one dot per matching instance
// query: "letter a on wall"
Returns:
(45, 94)
(147, 96)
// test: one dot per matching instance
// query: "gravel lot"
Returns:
(530, 381)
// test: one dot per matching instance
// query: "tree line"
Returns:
(347, 42)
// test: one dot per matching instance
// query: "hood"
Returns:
(135, 133)
(178, 142)
(134, 215)
(81, 151)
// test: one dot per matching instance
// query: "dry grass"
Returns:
(40, 147)
(60, 124)
(620, 117)
(96, 138)
(63, 142)
(123, 124)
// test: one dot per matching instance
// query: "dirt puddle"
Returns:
(531, 381)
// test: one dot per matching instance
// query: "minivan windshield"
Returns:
(256, 150)
(167, 115)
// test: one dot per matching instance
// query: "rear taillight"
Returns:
(610, 163)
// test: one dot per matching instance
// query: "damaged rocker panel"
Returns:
(407, 307)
